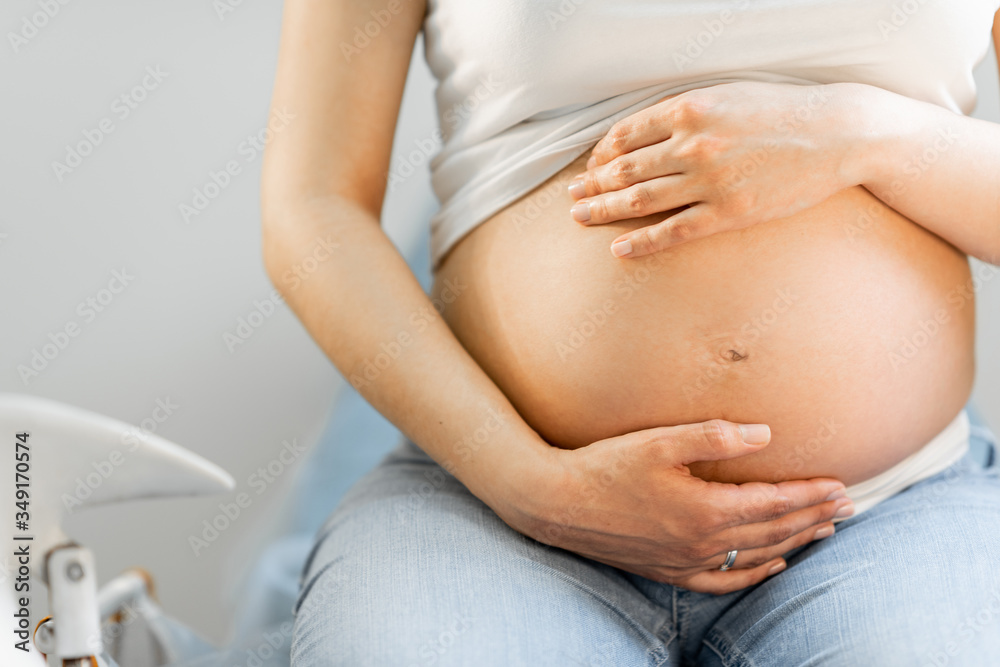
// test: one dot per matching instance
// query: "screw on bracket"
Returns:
(74, 571)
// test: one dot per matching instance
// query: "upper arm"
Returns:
(996, 38)
(341, 88)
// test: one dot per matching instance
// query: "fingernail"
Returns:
(825, 531)
(621, 248)
(592, 162)
(581, 212)
(755, 434)
(775, 569)
(839, 493)
(845, 511)
(577, 188)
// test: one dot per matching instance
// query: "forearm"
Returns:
(368, 313)
(938, 168)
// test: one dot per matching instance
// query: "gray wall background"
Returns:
(163, 336)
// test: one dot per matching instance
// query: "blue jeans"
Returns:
(412, 569)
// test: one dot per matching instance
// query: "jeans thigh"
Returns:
(912, 581)
(412, 569)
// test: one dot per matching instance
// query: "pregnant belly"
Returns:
(847, 328)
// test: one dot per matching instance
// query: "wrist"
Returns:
(521, 482)
(861, 132)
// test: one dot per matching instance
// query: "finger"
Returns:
(642, 128)
(659, 194)
(771, 545)
(713, 440)
(690, 224)
(720, 583)
(642, 165)
(757, 502)
(771, 533)
(751, 558)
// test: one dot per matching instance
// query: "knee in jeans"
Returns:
(320, 640)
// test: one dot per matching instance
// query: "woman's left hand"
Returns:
(734, 154)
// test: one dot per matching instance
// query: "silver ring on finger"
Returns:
(730, 559)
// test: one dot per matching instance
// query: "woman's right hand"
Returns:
(631, 502)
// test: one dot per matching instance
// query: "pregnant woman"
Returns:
(698, 266)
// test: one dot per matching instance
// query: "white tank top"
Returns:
(527, 86)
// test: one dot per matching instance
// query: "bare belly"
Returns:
(847, 328)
